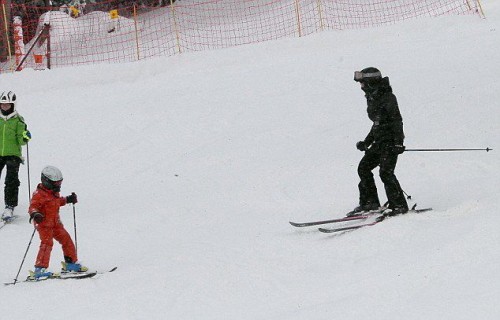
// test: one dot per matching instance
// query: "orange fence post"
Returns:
(297, 11)
(136, 33)
(172, 9)
(320, 11)
(5, 17)
(480, 8)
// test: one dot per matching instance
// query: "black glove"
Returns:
(398, 149)
(37, 216)
(72, 198)
(361, 145)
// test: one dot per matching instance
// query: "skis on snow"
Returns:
(361, 216)
(316, 223)
(378, 219)
(367, 218)
(64, 276)
(381, 217)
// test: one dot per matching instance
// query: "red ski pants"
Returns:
(47, 236)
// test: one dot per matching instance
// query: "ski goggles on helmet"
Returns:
(57, 183)
(360, 76)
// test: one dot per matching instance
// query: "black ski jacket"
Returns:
(383, 110)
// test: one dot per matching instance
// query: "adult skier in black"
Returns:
(382, 145)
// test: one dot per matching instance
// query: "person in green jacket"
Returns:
(13, 134)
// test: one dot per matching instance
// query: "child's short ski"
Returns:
(58, 276)
(62, 276)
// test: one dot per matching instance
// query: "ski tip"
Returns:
(422, 210)
(113, 269)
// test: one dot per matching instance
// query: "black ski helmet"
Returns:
(52, 178)
(368, 75)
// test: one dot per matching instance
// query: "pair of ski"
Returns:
(63, 276)
(378, 215)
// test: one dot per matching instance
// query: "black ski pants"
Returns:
(383, 157)
(12, 183)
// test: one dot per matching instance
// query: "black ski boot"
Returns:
(359, 210)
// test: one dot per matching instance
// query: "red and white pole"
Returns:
(18, 40)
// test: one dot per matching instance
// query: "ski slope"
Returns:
(189, 168)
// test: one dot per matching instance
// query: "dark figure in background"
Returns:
(382, 145)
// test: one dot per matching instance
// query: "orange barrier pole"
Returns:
(136, 33)
(297, 10)
(19, 51)
(172, 9)
(6, 27)
(480, 8)
(320, 10)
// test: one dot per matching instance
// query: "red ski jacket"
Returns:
(47, 202)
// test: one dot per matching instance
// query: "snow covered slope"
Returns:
(189, 168)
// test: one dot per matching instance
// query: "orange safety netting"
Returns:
(80, 32)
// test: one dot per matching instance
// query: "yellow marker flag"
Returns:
(113, 14)
(74, 11)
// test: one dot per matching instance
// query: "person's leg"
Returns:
(12, 183)
(393, 190)
(46, 243)
(69, 251)
(368, 195)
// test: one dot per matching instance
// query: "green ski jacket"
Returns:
(11, 136)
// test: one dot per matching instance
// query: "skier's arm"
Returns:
(62, 201)
(369, 138)
(396, 121)
(22, 133)
(35, 209)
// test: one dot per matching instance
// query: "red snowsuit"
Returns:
(47, 202)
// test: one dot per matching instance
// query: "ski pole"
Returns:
(408, 196)
(466, 149)
(74, 225)
(28, 166)
(24, 258)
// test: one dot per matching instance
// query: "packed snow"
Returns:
(189, 168)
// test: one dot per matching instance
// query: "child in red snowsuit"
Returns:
(44, 210)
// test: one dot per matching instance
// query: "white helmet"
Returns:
(52, 178)
(8, 97)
